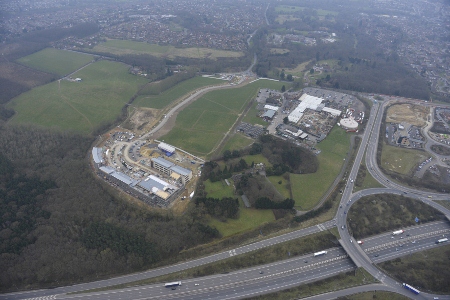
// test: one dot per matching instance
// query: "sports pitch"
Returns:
(202, 125)
(59, 62)
(79, 106)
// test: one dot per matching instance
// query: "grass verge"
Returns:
(335, 283)
(379, 295)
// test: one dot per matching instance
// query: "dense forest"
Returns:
(60, 225)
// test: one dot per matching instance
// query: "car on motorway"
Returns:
(261, 272)
(196, 284)
(376, 255)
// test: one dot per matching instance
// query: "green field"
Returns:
(202, 125)
(179, 90)
(121, 47)
(307, 189)
(219, 189)
(252, 116)
(56, 61)
(237, 141)
(281, 188)
(249, 218)
(79, 106)
(401, 160)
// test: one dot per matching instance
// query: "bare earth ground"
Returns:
(142, 120)
(408, 113)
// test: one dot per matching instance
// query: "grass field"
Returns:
(427, 270)
(249, 218)
(202, 125)
(281, 188)
(121, 47)
(252, 116)
(78, 106)
(56, 61)
(237, 141)
(179, 90)
(401, 160)
(307, 189)
(219, 189)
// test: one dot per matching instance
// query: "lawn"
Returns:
(401, 160)
(121, 47)
(249, 218)
(219, 189)
(56, 61)
(202, 125)
(307, 189)
(79, 106)
(258, 158)
(176, 92)
(237, 141)
(281, 188)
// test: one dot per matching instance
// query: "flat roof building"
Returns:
(168, 168)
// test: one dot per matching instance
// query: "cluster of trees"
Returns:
(102, 236)
(221, 208)
(213, 172)
(60, 226)
(387, 212)
(285, 156)
(255, 187)
(266, 203)
(20, 206)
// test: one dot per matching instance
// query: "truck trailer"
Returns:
(397, 232)
(408, 287)
(320, 253)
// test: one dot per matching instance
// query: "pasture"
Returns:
(121, 47)
(181, 89)
(78, 106)
(307, 189)
(219, 189)
(59, 62)
(202, 125)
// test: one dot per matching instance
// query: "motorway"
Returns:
(245, 283)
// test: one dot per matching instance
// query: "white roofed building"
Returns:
(166, 147)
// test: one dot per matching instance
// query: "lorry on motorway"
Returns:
(408, 287)
(172, 284)
(442, 240)
(397, 232)
(320, 253)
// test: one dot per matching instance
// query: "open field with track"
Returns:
(78, 106)
(179, 90)
(121, 47)
(202, 125)
(59, 62)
